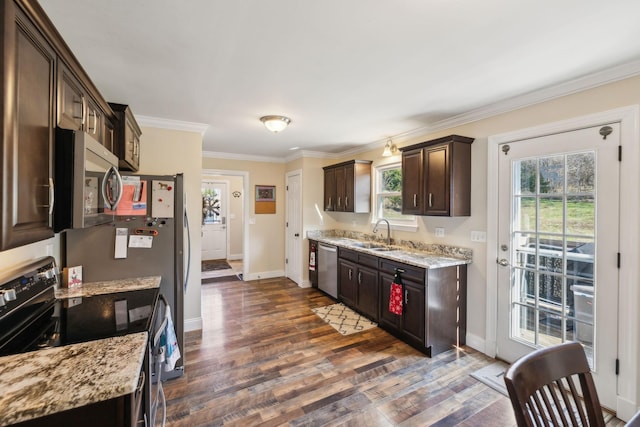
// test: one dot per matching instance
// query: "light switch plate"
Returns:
(439, 231)
(478, 236)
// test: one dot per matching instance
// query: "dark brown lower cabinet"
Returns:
(358, 282)
(434, 308)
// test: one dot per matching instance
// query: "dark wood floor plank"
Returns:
(264, 358)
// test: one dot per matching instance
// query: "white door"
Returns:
(558, 239)
(214, 220)
(293, 229)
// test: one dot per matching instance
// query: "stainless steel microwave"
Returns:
(87, 185)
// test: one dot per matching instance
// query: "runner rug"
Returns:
(343, 319)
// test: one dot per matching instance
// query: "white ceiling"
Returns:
(348, 73)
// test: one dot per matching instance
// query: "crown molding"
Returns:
(580, 84)
(311, 154)
(155, 122)
(246, 157)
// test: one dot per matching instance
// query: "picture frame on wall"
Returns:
(265, 199)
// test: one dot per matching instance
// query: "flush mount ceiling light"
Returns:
(275, 123)
(390, 149)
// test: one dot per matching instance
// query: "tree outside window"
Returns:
(389, 196)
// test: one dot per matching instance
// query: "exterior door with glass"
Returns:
(214, 220)
(558, 244)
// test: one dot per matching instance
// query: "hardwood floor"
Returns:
(263, 358)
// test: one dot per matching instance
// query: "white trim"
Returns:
(264, 275)
(475, 342)
(194, 324)
(399, 225)
(628, 317)
(246, 261)
(234, 257)
(156, 122)
(245, 157)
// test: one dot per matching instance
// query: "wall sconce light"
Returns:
(390, 149)
(275, 123)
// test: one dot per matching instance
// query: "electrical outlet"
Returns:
(478, 236)
(439, 231)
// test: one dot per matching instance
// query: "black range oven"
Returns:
(31, 318)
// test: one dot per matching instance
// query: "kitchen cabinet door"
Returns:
(330, 189)
(71, 100)
(412, 197)
(126, 137)
(348, 283)
(368, 292)
(387, 319)
(341, 175)
(28, 121)
(413, 311)
(94, 125)
(437, 180)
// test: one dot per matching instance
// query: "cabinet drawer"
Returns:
(368, 260)
(348, 254)
(410, 271)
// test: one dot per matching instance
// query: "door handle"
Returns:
(503, 262)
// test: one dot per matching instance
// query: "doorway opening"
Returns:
(223, 224)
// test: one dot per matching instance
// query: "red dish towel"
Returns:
(395, 299)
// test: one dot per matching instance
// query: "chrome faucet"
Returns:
(375, 229)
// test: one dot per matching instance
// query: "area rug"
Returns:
(216, 264)
(343, 319)
(233, 278)
(493, 376)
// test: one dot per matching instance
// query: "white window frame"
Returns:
(411, 223)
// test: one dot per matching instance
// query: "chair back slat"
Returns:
(554, 387)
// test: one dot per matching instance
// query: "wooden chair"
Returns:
(543, 389)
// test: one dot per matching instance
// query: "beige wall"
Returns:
(264, 252)
(168, 152)
(457, 230)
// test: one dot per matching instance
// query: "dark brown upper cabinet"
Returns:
(79, 109)
(347, 187)
(27, 122)
(126, 137)
(436, 177)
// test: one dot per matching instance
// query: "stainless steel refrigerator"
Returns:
(147, 238)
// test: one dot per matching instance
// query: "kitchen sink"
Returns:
(371, 246)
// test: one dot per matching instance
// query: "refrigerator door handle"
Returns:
(186, 224)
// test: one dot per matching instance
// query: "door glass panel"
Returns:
(211, 205)
(553, 240)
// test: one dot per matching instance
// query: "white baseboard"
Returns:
(234, 257)
(626, 409)
(305, 284)
(477, 343)
(264, 275)
(193, 324)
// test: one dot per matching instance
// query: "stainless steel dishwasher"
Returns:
(328, 269)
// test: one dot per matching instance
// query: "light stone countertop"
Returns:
(52, 380)
(412, 253)
(109, 287)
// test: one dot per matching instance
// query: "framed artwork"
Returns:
(265, 199)
(265, 193)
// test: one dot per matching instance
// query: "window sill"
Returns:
(398, 227)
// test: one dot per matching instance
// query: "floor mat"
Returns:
(216, 264)
(493, 376)
(233, 278)
(343, 319)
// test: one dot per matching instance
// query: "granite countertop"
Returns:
(109, 287)
(52, 380)
(408, 252)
